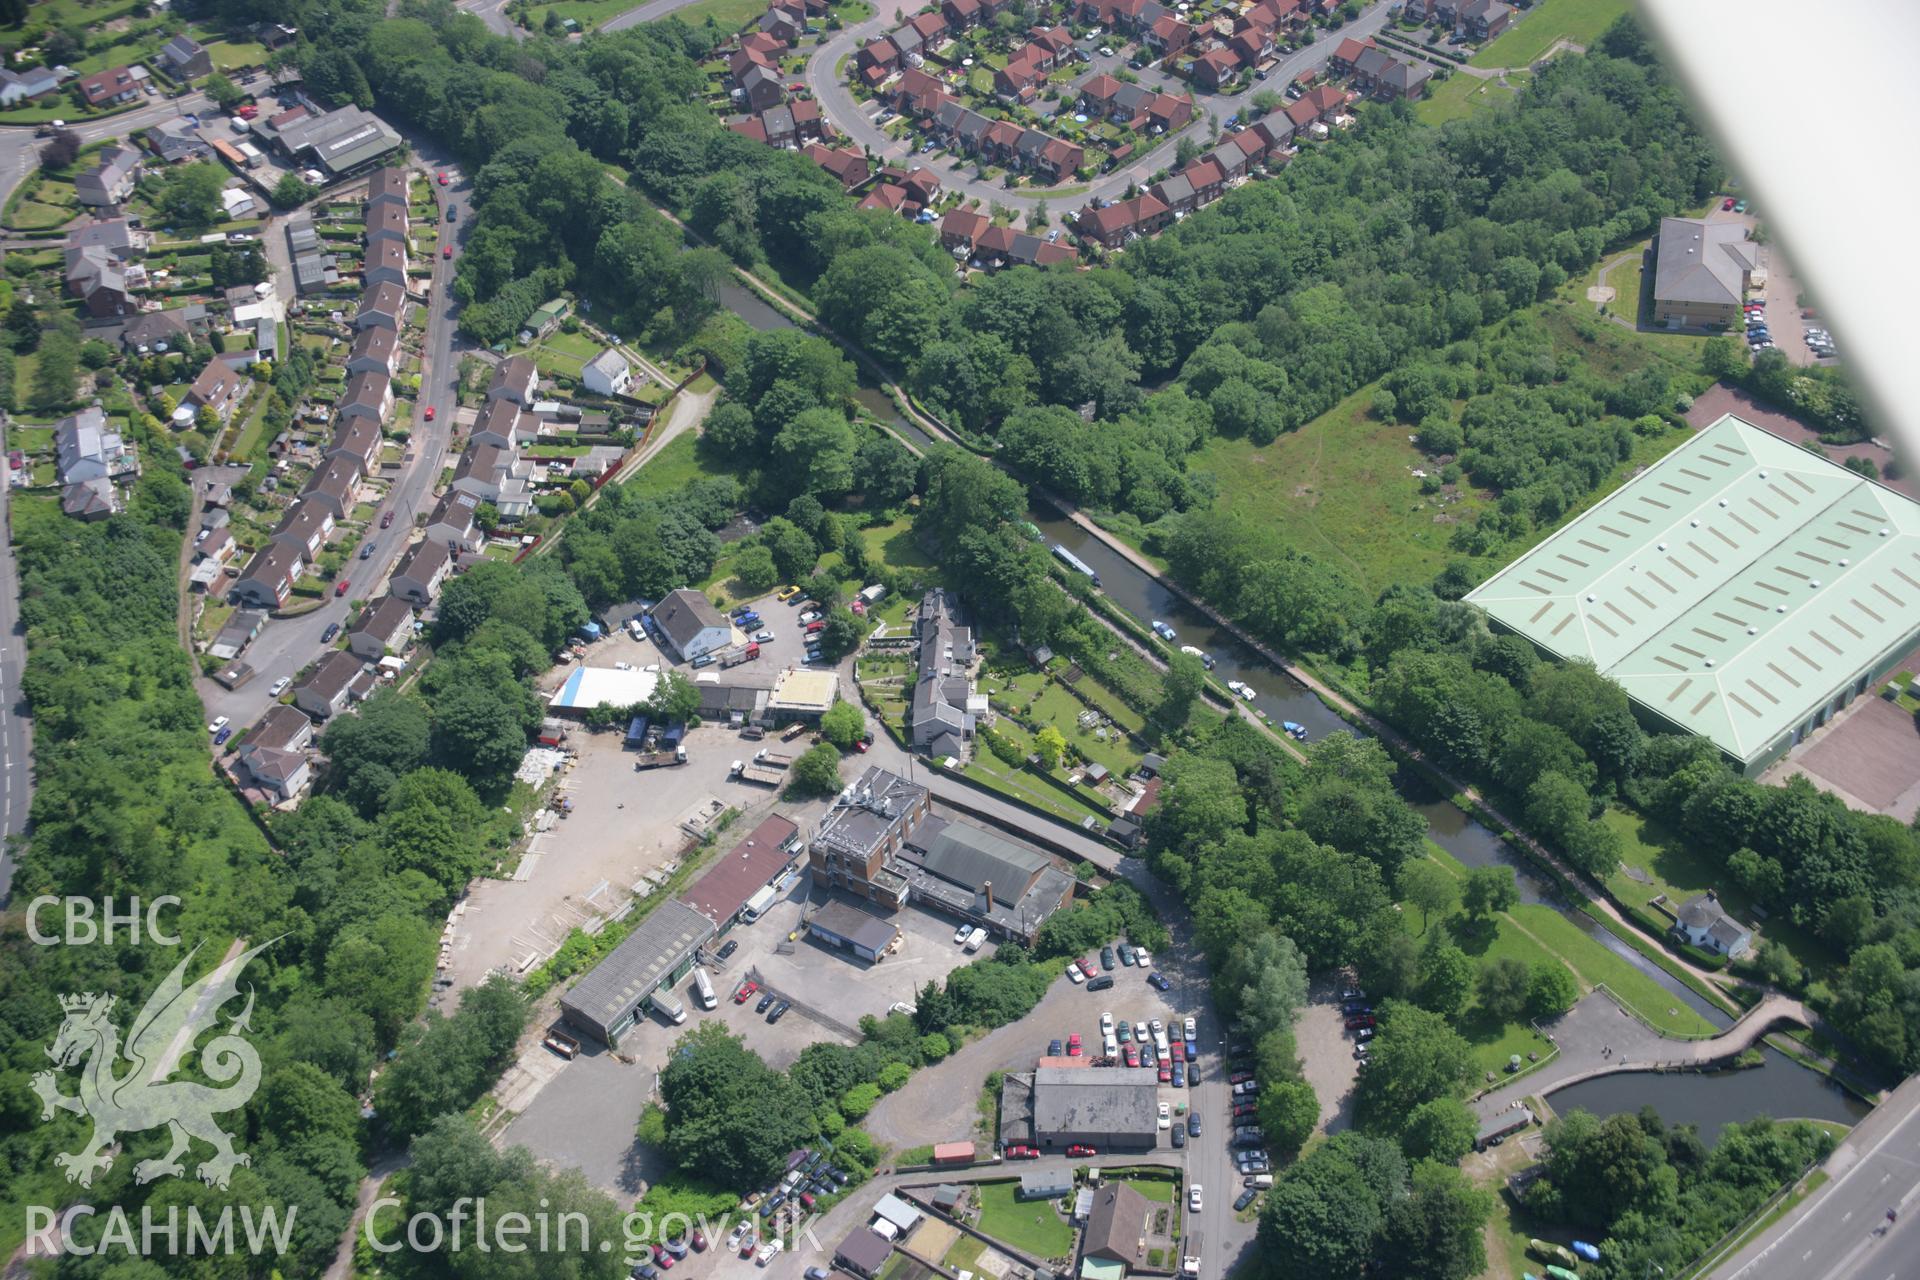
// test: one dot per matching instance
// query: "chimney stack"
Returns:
(987, 889)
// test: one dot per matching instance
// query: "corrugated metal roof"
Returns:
(1733, 587)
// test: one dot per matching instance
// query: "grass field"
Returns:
(1579, 21)
(1459, 96)
(728, 15)
(1034, 1228)
(1341, 487)
(673, 468)
(229, 54)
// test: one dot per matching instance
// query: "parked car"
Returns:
(1727, 203)
(1102, 983)
(779, 1012)
(1158, 982)
(367, 549)
(766, 1002)
(1194, 1197)
(1074, 975)
(226, 731)
(1131, 1053)
(1126, 955)
(1019, 1151)
(1358, 1021)
(333, 629)
(441, 177)
(1054, 1049)
(678, 1248)
(1193, 1125)
(1087, 966)
(745, 991)
(1073, 1045)
(1081, 1149)
(280, 686)
(728, 948)
(1179, 1136)
(1244, 1199)
(446, 251)
(1106, 958)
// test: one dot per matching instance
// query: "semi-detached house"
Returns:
(420, 572)
(337, 679)
(268, 578)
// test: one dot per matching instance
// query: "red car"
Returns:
(441, 177)
(429, 413)
(1239, 1077)
(1020, 1152)
(1073, 1045)
(745, 993)
(1166, 1075)
(1727, 203)
(1178, 1049)
(246, 111)
(341, 588)
(1359, 1020)
(748, 1245)
(1087, 967)
(661, 1258)
(1079, 1149)
(446, 251)
(386, 521)
(1132, 1055)
(860, 747)
(699, 1243)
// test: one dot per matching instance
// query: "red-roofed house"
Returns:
(930, 27)
(750, 128)
(1020, 79)
(961, 14)
(115, 84)
(1167, 112)
(849, 166)
(1214, 68)
(1347, 53)
(1253, 46)
(1168, 35)
(961, 228)
(883, 54)
(1123, 220)
(885, 196)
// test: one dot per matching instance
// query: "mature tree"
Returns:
(1201, 803)
(884, 471)
(1440, 1129)
(292, 191)
(1324, 1216)
(1605, 1168)
(1050, 745)
(1502, 988)
(1551, 989)
(1425, 884)
(1274, 988)
(1289, 1113)
(225, 93)
(435, 824)
(1416, 1057)
(755, 570)
(841, 636)
(843, 724)
(1186, 677)
(1489, 891)
(794, 552)
(53, 373)
(1446, 977)
(368, 752)
(1435, 1233)
(730, 432)
(814, 454)
(190, 195)
(61, 150)
(730, 1118)
(816, 772)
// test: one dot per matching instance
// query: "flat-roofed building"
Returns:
(1741, 588)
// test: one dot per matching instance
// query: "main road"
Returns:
(1841, 1231)
(285, 645)
(847, 115)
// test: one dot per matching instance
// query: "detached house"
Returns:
(850, 167)
(219, 387)
(384, 305)
(305, 528)
(268, 579)
(1215, 68)
(368, 395)
(420, 572)
(607, 374)
(515, 380)
(502, 423)
(1124, 220)
(1704, 923)
(375, 350)
(760, 87)
(24, 86)
(111, 178)
(89, 458)
(961, 228)
(186, 59)
(386, 263)
(274, 752)
(383, 627)
(115, 84)
(337, 679)
(357, 439)
(453, 524)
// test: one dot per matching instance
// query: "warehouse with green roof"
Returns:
(1741, 588)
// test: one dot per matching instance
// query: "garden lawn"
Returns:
(1459, 96)
(1669, 866)
(965, 1253)
(1579, 21)
(34, 215)
(1034, 1228)
(230, 54)
(893, 545)
(672, 469)
(996, 774)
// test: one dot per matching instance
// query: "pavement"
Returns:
(285, 645)
(1843, 1223)
(851, 118)
(1598, 1037)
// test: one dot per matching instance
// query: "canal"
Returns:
(1781, 1088)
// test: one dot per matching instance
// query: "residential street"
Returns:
(285, 645)
(855, 120)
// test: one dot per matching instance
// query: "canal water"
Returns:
(1781, 1088)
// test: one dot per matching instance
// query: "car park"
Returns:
(1166, 1075)
(1727, 203)
(1741, 207)
(779, 1012)
(1158, 982)
(1126, 955)
(768, 1251)
(1179, 1075)
(678, 1248)
(1142, 957)
(1166, 1116)
(1244, 1199)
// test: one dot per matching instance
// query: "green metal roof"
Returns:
(1733, 587)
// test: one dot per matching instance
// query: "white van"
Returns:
(703, 985)
(976, 940)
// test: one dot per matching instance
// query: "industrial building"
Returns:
(843, 925)
(881, 842)
(1054, 1107)
(658, 953)
(762, 859)
(802, 695)
(1741, 588)
(590, 687)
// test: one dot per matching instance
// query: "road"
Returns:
(1841, 1223)
(850, 117)
(286, 645)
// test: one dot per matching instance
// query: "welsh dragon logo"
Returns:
(143, 1097)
